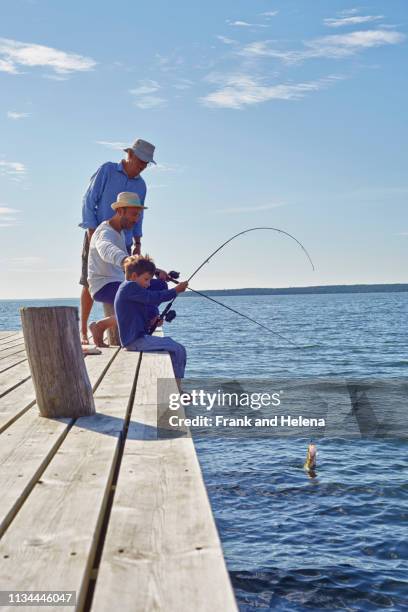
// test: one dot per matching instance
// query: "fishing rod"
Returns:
(251, 229)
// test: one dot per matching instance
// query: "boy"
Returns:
(132, 303)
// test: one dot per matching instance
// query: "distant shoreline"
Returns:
(313, 290)
(318, 289)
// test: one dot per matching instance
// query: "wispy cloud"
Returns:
(15, 115)
(239, 24)
(183, 84)
(55, 77)
(245, 24)
(163, 167)
(334, 46)
(269, 14)
(14, 170)
(239, 90)
(227, 41)
(145, 87)
(341, 45)
(351, 21)
(29, 261)
(350, 11)
(263, 48)
(145, 94)
(14, 54)
(251, 209)
(7, 66)
(116, 146)
(170, 63)
(6, 210)
(8, 216)
(148, 102)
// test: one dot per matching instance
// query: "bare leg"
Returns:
(86, 307)
(98, 329)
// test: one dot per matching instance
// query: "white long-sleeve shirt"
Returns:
(107, 250)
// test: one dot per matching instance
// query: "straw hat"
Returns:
(127, 199)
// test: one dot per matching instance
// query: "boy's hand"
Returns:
(181, 286)
(157, 321)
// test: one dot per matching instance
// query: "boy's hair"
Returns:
(139, 264)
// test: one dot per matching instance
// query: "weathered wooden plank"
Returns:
(19, 341)
(11, 361)
(51, 542)
(29, 443)
(12, 350)
(15, 403)
(162, 550)
(8, 335)
(10, 379)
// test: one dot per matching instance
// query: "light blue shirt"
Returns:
(105, 185)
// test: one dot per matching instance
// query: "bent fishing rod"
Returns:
(252, 229)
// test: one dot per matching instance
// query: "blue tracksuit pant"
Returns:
(154, 344)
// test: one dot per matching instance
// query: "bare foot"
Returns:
(84, 338)
(86, 350)
(97, 335)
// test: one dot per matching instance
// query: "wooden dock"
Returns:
(98, 505)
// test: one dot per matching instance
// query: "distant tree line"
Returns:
(386, 288)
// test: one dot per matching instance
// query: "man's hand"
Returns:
(181, 286)
(124, 260)
(157, 321)
(90, 231)
(136, 248)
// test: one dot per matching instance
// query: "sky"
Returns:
(286, 113)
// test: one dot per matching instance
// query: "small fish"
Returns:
(310, 463)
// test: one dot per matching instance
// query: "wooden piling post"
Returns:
(113, 333)
(57, 365)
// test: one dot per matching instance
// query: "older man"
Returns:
(107, 253)
(105, 185)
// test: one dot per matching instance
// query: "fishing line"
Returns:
(242, 315)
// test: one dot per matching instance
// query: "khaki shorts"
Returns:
(85, 252)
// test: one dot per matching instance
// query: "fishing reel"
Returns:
(172, 275)
(170, 316)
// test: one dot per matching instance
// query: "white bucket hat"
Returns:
(143, 150)
(127, 199)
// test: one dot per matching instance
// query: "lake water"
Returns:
(337, 541)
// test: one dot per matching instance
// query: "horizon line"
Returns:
(237, 289)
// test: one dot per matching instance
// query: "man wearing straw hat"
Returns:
(107, 254)
(109, 180)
